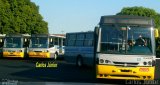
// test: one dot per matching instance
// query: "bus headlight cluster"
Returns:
(19, 50)
(147, 63)
(104, 61)
(101, 61)
(45, 51)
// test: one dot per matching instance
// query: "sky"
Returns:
(64, 16)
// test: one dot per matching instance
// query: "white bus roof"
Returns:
(47, 35)
(58, 35)
(17, 35)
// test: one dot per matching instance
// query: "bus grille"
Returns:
(125, 76)
(125, 64)
(37, 51)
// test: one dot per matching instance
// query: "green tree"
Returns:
(142, 11)
(21, 16)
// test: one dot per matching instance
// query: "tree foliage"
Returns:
(142, 11)
(21, 16)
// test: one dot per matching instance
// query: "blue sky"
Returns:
(83, 15)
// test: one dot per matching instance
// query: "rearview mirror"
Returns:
(156, 34)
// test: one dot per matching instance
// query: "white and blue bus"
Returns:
(46, 46)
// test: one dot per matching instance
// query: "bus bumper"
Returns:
(13, 54)
(126, 73)
(39, 54)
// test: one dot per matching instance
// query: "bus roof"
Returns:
(17, 35)
(126, 19)
(48, 35)
(59, 35)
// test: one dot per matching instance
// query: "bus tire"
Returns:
(79, 62)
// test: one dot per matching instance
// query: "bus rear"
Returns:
(125, 48)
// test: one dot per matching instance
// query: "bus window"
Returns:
(71, 40)
(56, 41)
(88, 40)
(79, 40)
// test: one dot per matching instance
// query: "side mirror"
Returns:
(156, 34)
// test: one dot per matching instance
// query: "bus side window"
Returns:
(56, 41)
(88, 40)
(71, 40)
(79, 40)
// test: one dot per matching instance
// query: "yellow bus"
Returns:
(46, 46)
(125, 48)
(15, 45)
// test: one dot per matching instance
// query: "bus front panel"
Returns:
(13, 52)
(118, 72)
(39, 53)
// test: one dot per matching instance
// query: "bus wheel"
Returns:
(79, 62)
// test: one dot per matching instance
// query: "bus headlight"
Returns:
(149, 63)
(107, 61)
(45, 51)
(144, 63)
(101, 61)
(19, 50)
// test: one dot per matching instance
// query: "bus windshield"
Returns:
(13, 42)
(126, 39)
(39, 42)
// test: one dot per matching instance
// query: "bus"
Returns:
(79, 48)
(120, 47)
(15, 45)
(125, 48)
(46, 46)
